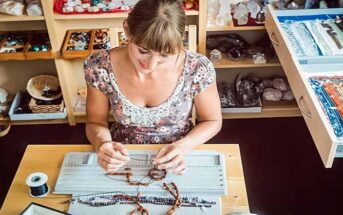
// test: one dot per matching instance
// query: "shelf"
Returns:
(231, 27)
(10, 18)
(269, 110)
(33, 122)
(40, 122)
(192, 12)
(81, 114)
(225, 62)
(90, 16)
(57, 16)
(4, 119)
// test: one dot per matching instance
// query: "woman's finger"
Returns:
(172, 164)
(180, 169)
(110, 160)
(167, 157)
(107, 166)
(120, 147)
(116, 155)
(161, 153)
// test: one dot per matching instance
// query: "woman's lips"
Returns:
(142, 65)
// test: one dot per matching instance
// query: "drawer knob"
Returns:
(273, 37)
(307, 113)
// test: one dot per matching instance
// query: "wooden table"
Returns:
(49, 158)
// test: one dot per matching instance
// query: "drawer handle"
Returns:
(272, 38)
(308, 114)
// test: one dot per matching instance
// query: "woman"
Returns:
(150, 86)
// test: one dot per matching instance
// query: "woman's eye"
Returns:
(165, 55)
(142, 51)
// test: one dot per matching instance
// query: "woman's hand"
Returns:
(112, 155)
(172, 158)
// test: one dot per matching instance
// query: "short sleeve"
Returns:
(204, 76)
(96, 72)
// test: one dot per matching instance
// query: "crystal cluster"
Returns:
(94, 6)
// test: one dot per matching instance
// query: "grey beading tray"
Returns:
(80, 174)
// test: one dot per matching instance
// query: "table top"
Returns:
(49, 158)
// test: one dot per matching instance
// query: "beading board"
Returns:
(80, 174)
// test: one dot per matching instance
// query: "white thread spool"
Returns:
(37, 183)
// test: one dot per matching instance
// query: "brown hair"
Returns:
(157, 25)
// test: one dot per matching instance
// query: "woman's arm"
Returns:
(97, 109)
(207, 105)
(111, 155)
(209, 116)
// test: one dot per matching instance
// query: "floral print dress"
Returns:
(166, 123)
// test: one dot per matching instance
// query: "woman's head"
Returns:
(157, 25)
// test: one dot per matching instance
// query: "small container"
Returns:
(215, 55)
(39, 47)
(122, 39)
(11, 50)
(45, 108)
(259, 58)
(73, 49)
(44, 87)
(102, 40)
(32, 116)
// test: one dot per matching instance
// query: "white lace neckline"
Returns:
(177, 89)
(147, 116)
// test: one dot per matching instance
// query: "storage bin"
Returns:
(33, 116)
(18, 55)
(31, 55)
(68, 49)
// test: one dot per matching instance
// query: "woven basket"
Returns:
(45, 108)
(6, 130)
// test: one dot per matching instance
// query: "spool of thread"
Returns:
(37, 183)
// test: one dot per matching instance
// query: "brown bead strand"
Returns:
(157, 174)
(128, 175)
(176, 195)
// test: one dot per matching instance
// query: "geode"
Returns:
(246, 93)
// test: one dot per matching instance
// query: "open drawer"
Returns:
(300, 68)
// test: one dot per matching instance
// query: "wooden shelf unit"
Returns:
(268, 110)
(10, 18)
(231, 27)
(33, 122)
(123, 15)
(225, 62)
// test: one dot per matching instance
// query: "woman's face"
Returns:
(146, 61)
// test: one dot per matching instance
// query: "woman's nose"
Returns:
(152, 62)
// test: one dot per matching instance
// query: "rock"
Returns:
(271, 94)
(281, 84)
(287, 95)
